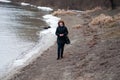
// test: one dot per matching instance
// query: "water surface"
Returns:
(18, 31)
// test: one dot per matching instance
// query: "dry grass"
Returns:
(101, 19)
(112, 34)
(111, 25)
(63, 12)
(117, 17)
(93, 10)
(77, 26)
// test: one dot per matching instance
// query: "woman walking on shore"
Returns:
(61, 33)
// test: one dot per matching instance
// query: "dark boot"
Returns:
(58, 58)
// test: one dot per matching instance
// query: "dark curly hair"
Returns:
(61, 22)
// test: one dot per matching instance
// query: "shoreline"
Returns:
(85, 58)
(38, 49)
(51, 32)
(90, 56)
(48, 54)
(30, 57)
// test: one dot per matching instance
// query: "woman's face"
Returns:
(61, 24)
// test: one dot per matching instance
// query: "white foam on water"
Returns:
(6, 1)
(47, 39)
(38, 7)
(45, 8)
(25, 4)
(28, 4)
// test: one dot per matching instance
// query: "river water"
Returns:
(19, 28)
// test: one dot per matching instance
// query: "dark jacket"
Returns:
(61, 30)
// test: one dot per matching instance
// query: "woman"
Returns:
(61, 33)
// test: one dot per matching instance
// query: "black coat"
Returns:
(61, 30)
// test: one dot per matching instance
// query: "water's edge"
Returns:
(47, 37)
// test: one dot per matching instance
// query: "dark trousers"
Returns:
(60, 50)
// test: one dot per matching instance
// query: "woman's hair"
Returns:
(61, 22)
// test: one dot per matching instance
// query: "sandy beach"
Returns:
(92, 54)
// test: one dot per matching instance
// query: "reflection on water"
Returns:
(18, 28)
